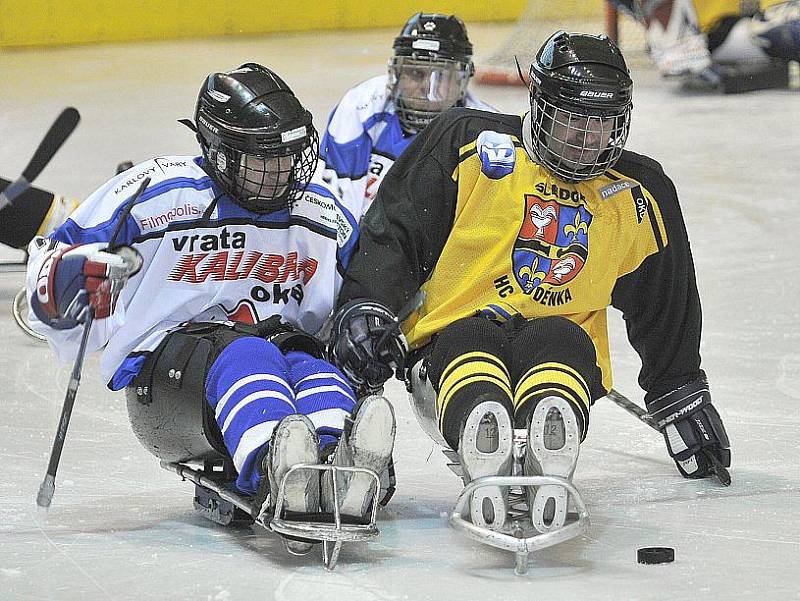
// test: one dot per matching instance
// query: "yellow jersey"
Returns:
(469, 218)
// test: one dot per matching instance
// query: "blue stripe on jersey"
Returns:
(71, 233)
(393, 140)
(314, 226)
(127, 371)
(349, 160)
(227, 209)
(500, 311)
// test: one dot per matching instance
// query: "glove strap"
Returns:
(680, 403)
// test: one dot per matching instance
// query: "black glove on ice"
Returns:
(693, 430)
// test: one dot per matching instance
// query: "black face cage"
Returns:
(577, 146)
(412, 111)
(264, 182)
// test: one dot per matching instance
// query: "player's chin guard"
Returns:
(430, 69)
(580, 96)
(258, 141)
(172, 420)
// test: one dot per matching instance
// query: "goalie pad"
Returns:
(676, 44)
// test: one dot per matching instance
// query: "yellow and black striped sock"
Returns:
(557, 379)
(467, 380)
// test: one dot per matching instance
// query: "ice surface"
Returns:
(122, 528)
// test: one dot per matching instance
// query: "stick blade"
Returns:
(55, 137)
(46, 491)
(719, 470)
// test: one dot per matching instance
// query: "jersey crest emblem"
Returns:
(552, 245)
(497, 154)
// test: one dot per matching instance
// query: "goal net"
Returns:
(543, 17)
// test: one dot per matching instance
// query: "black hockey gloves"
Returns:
(367, 344)
(693, 430)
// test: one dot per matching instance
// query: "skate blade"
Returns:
(297, 548)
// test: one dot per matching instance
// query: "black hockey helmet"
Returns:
(430, 69)
(258, 141)
(580, 96)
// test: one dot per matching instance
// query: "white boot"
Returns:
(367, 441)
(552, 450)
(485, 448)
(294, 441)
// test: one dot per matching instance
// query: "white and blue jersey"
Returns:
(364, 138)
(215, 261)
(228, 265)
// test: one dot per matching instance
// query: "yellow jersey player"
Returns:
(521, 231)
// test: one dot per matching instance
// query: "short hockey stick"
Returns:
(55, 137)
(414, 303)
(48, 486)
(720, 471)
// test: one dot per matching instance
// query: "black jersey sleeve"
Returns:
(659, 300)
(403, 232)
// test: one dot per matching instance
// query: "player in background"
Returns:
(376, 120)
(36, 212)
(241, 260)
(692, 38)
(369, 128)
(522, 231)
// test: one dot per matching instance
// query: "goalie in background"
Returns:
(521, 230)
(706, 41)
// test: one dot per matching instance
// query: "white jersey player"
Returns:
(236, 235)
(377, 119)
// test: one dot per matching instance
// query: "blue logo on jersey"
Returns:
(497, 154)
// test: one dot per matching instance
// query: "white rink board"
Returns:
(122, 528)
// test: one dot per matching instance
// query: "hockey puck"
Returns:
(655, 555)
